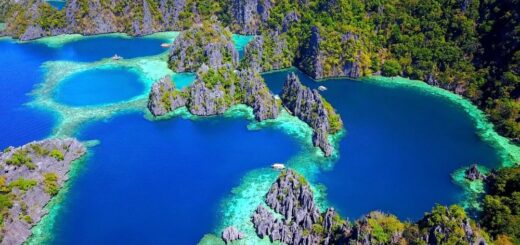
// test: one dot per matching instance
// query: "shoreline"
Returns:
(306, 161)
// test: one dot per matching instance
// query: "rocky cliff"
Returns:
(164, 98)
(320, 62)
(248, 16)
(214, 91)
(310, 107)
(31, 175)
(268, 51)
(208, 43)
(301, 222)
(33, 19)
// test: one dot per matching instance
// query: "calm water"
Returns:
(57, 4)
(99, 86)
(161, 182)
(400, 149)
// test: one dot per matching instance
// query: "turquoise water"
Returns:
(57, 4)
(98, 87)
(241, 42)
(183, 80)
(164, 182)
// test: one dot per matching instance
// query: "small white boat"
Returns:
(117, 57)
(165, 45)
(278, 166)
(322, 88)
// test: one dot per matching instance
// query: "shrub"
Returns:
(23, 184)
(391, 68)
(50, 183)
(57, 154)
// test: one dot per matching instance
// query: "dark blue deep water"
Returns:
(400, 148)
(20, 72)
(99, 86)
(162, 182)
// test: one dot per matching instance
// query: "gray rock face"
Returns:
(257, 57)
(206, 98)
(291, 197)
(231, 234)
(258, 96)
(249, 16)
(472, 173)
(27, 208)
(208, 43)
(163, 97)
(312, 58)
(213, 92)
(170, 10)
(309, 106)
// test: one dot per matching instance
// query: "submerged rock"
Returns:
(208, 43)
(310, 107)
(163, 97)
(31, 175)
(231, 234)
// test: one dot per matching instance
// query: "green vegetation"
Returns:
(19, 158)
(335, 122)
(57, 154)
(23, 184)
(39, 150)
(501, 205)
(50, 183)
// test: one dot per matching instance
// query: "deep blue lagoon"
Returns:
(401, 147)
(99, 86)
(162, 182)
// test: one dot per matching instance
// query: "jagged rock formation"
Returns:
(249, 15)
(310, 107)
(209, 43)
(214, 91)
(314, 60)
(256, 94)
(269, 51)
(163, 97)
(231, 234)
(30, 176)
(472, 173)
(302, 222)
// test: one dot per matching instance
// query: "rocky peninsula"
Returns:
(31, 175)
(309, 106)
(301, 222)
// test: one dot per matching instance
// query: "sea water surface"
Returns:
(161, 182)
(400, 149)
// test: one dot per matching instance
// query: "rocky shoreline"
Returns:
(302, 223)
(309, 106)
(31, 175)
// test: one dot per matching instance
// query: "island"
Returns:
(31, 175)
